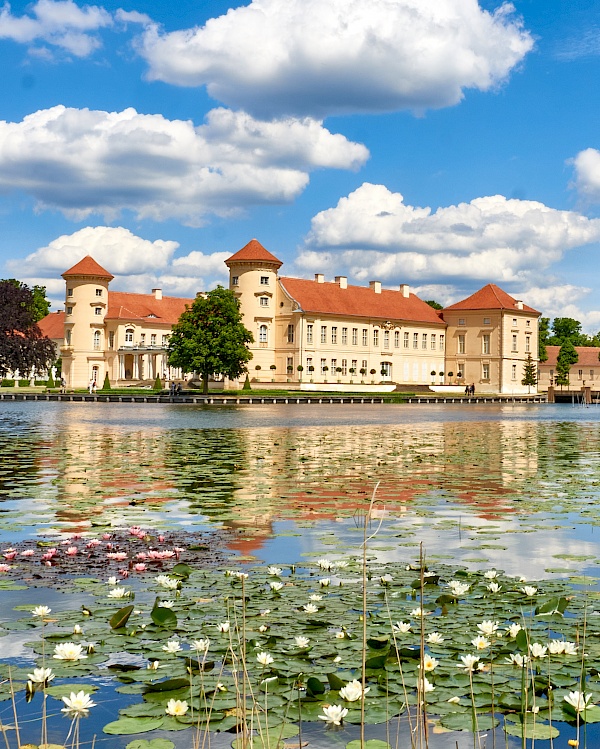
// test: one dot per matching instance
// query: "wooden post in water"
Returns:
(551, 398)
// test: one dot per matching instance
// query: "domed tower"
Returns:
(86, 304)
(253, 278)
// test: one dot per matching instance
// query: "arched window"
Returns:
(129, 335)
(263, 334)
(97, 335)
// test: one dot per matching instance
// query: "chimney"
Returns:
(157, 293)
(376, 286)
(319, 278)
(519, 304)
(343, 281)
(405, 290)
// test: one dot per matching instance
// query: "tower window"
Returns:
(264, 280)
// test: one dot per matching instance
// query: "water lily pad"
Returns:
(126, 725)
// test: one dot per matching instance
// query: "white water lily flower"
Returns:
(480, 642)
(386, 579)
(537, 650)
(454, 700)
(77, 629)
(529, 590)
(41, 675)
(276, 586)
(570, 648)
(494, 587)
(488, 627)
(315, 597)
(265, 659)
(353, 691)
(324, 582)
(119, 593)
(223, 627)
(334, 714)
(166, 604)
(578, 700)
(516, 659)
(458, 588)
(401, 627)
(263, 628)
(340, 635)
(469, 662)
(176, 707)
(264, 612)
(241, 575)
(302, 642)
(490, 575)
(435, 638)
(201, 646)
(172, 646)
(310, 608)
(41, 611)
(556, 647)
(342, 564)
(274, 571)
(337, 659)
(514, 630)
(68, 651)
(419, 612)
(424, 685)
(325, 564)
(429, 663)
(112, 580)
(77, 704)
(154, 666)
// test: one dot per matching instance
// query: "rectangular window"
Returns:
(365, 340)
(485, 371)
(334, 366)
(396, 339)
(323, 366)
(323, 333)
(344, 367)
(364, 364)
(263, 334)
(514, 372)
(514, 322)
(264, 280)
(290, 334)
(143, 339)
(309, 363)
(235, 280)
(129, 335)
(98, 292)
(580, 374)
(462, 321)
(485, 344)
(165, 339)
(264, 301)
(290, 364)
(406, 340)
(386, 339)
(461, 344)
(415, 340)
(97, 310)
(442, 342)
(68, 335)
(69, 310)
(486, 321)
(514, 343)
(309, 333)
(334, 334)
(355, 336)
(354, 365)
(527, 344)
(344, 336)
(591, 374)
(424, 340)
(433, 341)
(153, 339)
(69, 292)
(527, 323)
(375, 337)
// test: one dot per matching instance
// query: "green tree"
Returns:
(543, 336)
(434, 304)
(529, 373)
(209, 337)
(568, 329)
(38, 304)
(567, 356)
(22, 345)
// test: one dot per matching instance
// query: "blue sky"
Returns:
(440, 143)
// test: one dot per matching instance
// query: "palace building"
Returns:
(326, 332)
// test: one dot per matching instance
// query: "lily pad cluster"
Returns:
(270, 648)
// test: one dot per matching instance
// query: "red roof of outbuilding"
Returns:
(254, 251)
(53, 325)
(88, 267)
(124, 305)
(359, 301)
(588, 356)
(491, 297)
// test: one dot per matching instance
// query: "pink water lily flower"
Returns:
(72, 551)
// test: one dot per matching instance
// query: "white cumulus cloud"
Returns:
(375, 234)
(60, 23)
(587, 174)
(321, 58)
(85, 162)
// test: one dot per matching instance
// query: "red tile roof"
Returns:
(491, 297)
(124, 305)
(588, 357)
(254, 251)
(359, 301)
(53, 325)
(88, 267)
